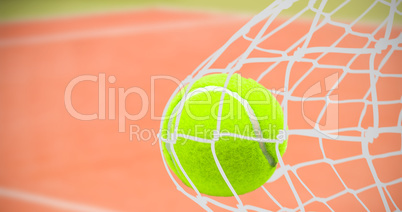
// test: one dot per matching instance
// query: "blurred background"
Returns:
(51, 160)
(24, 9)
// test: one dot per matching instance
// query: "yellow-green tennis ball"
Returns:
(248, 164)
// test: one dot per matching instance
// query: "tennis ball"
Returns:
(248, 110)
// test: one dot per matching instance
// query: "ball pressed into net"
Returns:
(247, 164)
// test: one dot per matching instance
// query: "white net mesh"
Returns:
(339, 83)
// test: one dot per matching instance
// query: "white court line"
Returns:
(128, 30)
(51, 202)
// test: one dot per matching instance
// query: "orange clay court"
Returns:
(51, 161)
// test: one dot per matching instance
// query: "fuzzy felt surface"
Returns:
(242, 161)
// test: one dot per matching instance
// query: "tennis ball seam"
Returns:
(249, 110)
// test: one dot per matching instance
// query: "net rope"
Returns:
(265, 22)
